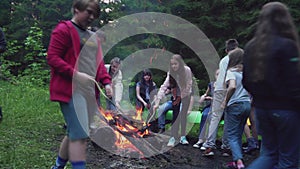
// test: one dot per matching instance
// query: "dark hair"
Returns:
(144, 73)
(143, 82)
(274, 19)
(231, 44)
(235, 57)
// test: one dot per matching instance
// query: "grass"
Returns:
(30, 126)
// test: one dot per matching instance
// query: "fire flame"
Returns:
(139, 112)
(124, 127)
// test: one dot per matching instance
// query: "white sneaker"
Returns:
(202, 148)
(171, 142)
(198, 144)
(93, 125)
(183, 140)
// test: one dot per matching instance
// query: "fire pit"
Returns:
(127, 135)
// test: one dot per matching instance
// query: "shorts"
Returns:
(76, 114)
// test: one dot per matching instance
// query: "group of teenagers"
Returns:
(227, 93)
(265, 76)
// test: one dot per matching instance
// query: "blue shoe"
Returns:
(55, 167)
(171, 142)
(183, 140)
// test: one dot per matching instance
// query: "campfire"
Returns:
(127, 136)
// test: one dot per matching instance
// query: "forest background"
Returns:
(28, 24)
(31, 128)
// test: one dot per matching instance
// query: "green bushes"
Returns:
(26, 61)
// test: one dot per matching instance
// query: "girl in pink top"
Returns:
(179, 79)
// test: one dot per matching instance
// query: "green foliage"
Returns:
(28, 25)
(36, 71)
(7, 63)
(31, 66)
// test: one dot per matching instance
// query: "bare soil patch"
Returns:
(179, 157)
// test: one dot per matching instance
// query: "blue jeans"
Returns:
(110, 104)
(236, 116)
(280, 131)
(204, 122)
(162, 110)
(204, 117)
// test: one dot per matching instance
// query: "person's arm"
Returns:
(59, 44)
(187, 90)
(291, 71)
(138, 95)
(104, 78)
(230, 90)
(231, 81)
(204, 96)
(161, 92)
(118, 88)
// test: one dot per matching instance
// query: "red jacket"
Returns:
(63, 52)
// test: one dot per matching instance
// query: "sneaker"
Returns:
(93, 126)
(226, 152)
(230, 165)
(252, 146)
(240, 165)
(183, 140)
(202, 148)
(198, 144)
(208, 152)
(171, 142)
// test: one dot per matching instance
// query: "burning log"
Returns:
(104, 136)
(127, 136)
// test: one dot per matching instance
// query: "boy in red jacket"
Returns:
(76, 61)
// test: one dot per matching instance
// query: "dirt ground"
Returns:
(179, 157)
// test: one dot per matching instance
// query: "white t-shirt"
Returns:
(240, 94)
(220, 82)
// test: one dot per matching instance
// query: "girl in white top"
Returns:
(237, 107)
(179, 79)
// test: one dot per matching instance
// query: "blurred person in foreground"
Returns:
(272, 76)
(76, 61)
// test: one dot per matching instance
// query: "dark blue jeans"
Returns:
(280, 131)
(205, 112)
(162, 110)
(205, 119)
(110, 104)
(235, 118)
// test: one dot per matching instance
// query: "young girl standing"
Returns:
(179, 79)
(237, 107)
